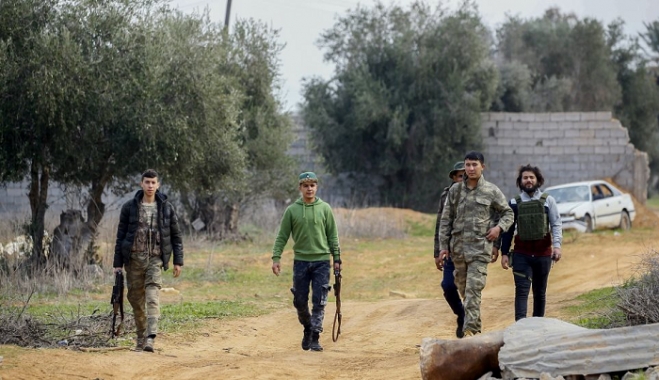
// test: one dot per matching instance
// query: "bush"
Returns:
(639, 297)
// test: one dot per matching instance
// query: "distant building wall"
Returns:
(567, 147)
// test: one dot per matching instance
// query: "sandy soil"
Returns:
(379, 341)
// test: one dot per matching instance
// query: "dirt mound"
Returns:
(390, 213)
(644, 216)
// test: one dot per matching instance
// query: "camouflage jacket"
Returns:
(468, 215)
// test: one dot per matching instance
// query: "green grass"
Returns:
(186, 316)
(653, 202)
(420, 228)
(597, 309)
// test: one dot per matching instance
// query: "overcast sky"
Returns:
(301, 22)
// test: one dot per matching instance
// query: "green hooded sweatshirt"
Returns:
(315, 235)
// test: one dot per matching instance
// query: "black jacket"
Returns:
(170, 233)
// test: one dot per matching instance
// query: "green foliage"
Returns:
(639, 108)
(560, 63)
(569, 62)
(132, 85)
(651, 37)
(406, 97)
(513, 90)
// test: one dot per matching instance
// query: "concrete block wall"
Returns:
(567, 147)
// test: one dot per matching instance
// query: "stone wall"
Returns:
(567, 147)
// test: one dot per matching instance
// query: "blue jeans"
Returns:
(451, 290)
(530, 272)
(316, 274)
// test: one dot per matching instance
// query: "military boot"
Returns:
(458, 331)
(306, 339)
(148, 345)
(315, 342)
(139, 345)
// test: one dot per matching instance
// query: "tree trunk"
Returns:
(95, 207)
(38, 196)
(95, 212)
(230, 222)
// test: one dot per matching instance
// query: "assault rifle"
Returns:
(336, 326)
(117, 302)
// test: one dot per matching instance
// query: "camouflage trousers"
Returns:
(144, 280)
(470, 275)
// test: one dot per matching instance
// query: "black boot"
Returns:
(306, 339)
(458, 331)
(315, 344)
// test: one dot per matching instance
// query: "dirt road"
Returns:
(379, 339)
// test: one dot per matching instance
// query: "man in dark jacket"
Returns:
(147, 235)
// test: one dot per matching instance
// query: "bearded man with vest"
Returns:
(538, 235)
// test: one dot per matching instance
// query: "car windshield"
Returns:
(570, 194)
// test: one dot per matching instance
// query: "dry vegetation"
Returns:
(398, 236)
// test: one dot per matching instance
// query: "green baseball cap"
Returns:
(460, 165)
(308, 177)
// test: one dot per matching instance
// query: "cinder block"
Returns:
(619, 133)
(571, 166)
(594, 125)
(501, 125)
(497, 116)
(572, 133)
(602, 150)
(586, 149)
(526, 117)
(556, 150)
(572, 116)
(552, 126)
(557, 116)
(541, 150)
(520, 125)
(587, 133)
(571, 149)
(507, 142)
(525, 134)
(603, 115)
(541, 134)
(603, 133)
(542, 116)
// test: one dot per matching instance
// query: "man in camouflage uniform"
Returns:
(468, 229)
(147, 235)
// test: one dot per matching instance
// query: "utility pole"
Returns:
(227, 14)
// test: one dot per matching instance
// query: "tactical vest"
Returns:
(531, 218)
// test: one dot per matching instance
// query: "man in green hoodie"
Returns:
(316, 238)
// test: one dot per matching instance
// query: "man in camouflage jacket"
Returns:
(468, 229)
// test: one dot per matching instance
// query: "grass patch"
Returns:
(653, 202)
(420, 228)
(190, 315)
(597, 309)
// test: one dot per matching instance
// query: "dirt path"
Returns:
(379, 339)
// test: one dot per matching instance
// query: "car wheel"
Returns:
(589, 223)
(625, 222)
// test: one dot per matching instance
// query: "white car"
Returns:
(589, 205)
